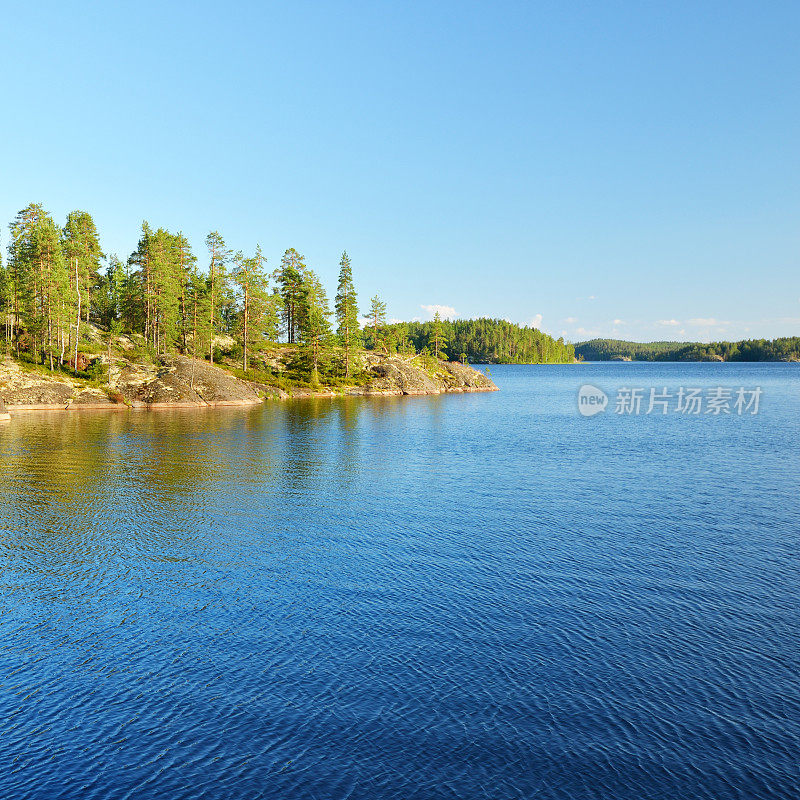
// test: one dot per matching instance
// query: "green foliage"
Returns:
(256, 320)
(38, 290)
(219, 299)
(316, 332)
(81, 248)
(52, 285)
(377, 324)
(263, 375)
(784, 349)
(482, 341)
(437, 340)
(346, 309)
(291, 276)
(152, 295)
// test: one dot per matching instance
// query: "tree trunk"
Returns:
(246, 312)
(78, 318)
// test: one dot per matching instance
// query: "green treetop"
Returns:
(219, 255)
(377, 320)
(82, 245)
(346, 308)
(257, 318)
(38, 282)
(316, 329)
(438, 338)
(291, 277)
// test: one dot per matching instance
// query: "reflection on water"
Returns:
(457, 596)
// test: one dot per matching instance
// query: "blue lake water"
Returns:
(463, 596)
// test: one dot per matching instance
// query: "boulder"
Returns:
(46, 394)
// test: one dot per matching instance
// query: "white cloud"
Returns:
(589, 334)
(445, 312)
(705, 323)
(668, 323)
(535, 321)
(591, 297)
(571, 320)
(619, 322)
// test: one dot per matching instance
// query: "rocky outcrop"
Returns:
(464, 378)
(39, 395)
(175, 382)
(394, 376)
(95, 398)
(398, 375)
(181, 382)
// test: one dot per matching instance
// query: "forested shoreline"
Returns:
(217, 304)
(782, 349)
(486, 341)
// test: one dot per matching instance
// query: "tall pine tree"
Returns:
(219, 255)
(346, 308)
(316, 327)
(255, 320)
(291, 277)
(438, 338)
(377, 319)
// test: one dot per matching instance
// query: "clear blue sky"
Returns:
(607, 168)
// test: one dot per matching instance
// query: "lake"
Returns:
(460, 596)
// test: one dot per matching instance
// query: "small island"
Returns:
(87, 329)
(157, 331)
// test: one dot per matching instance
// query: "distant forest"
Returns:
(786, 349)
(485, 341)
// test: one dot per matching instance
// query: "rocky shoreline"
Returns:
(181, 382)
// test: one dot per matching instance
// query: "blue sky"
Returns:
(607, 168)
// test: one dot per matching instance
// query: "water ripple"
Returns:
(453, 597)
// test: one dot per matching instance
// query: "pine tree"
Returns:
(198, 311)
(141, 284)
(219, 255)
(316, 329)
(130, 301)
(185, 268)
(346, 308)
(377, 318)
(81, 242)
(255, 321)
(291, 277)
(6, 305)
(38, 281)
(54, 289)
(168, 280)
(438, 339)
(108, 298)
